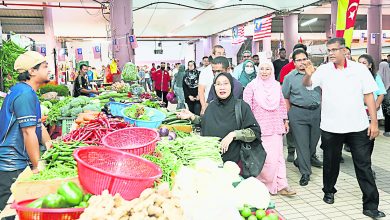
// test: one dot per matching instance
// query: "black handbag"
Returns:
(252, 155)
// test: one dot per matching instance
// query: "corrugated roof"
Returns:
(22, 21)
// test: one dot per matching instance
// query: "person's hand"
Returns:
(309, 68)
(184, 114)
(191, 98)
(197, 98)
(35, 170)
(377, 106)
(203, 109)
(287, 126)
(49, 144)
(226, 141)
(373, 131)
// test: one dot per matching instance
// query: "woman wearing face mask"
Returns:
(384, 73)
(264, 96)
(379, 95)
(248, 73)
(190, 88)
(219, 120)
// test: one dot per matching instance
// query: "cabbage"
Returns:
(44, 110)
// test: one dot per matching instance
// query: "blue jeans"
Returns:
(180, 98)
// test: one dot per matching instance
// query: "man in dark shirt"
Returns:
(280, 63)
(256, 59)
(220, 65)
(81, 83)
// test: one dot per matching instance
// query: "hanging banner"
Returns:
(346, 17)
(43, 51)
(133, 41)
(79, 54)
(96, 52)
(373, 38)
(61, 55)
(362, 37)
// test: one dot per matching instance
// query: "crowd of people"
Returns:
(339, 101)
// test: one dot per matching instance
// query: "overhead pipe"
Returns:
(51, 6)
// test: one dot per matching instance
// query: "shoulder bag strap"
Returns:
(237, 109)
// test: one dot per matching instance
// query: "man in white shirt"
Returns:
(246, 55)
(206, 78)
(205, 63)
(346, 87)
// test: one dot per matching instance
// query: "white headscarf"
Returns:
(384, 72)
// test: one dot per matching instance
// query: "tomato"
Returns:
(246, 212)
(260, 213)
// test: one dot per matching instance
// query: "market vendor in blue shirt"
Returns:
(21, 130)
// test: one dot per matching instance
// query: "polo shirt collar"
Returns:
(345, 64)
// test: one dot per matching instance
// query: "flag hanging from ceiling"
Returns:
(79, 54)
(238, 34)
(61, 54)
(262, 28)
(96, 52)
(346, 16)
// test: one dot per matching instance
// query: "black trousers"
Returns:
(361, 150)
(387, 123)
(163, 95)
(193, 107)
(7, 178)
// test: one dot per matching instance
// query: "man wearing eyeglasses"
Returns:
(246, 55)
(220, 65)
(304, 115)
(346, 87)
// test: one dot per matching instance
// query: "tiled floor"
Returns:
(308, 204)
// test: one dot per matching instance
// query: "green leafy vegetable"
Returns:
(138, 112)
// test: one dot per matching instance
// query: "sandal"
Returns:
(287, 192)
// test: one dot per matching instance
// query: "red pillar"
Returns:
(374, 24)
(50, 39)
(121, 19)
(290, 31)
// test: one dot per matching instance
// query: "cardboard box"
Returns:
(183, 128)
(23, 190)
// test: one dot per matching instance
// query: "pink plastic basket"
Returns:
(26, 213)
(117, 171)
(133, 140)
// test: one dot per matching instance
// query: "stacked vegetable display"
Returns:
(93, 131)
(153, 204)
(59, 162)
(68, 195)
(171, 155)
(8, 54)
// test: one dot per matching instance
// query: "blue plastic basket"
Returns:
(155, 120)
(116, 108)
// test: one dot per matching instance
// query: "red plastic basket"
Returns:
(120, 172)
(133, 140)
(26, 213)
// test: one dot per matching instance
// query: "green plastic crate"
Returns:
(67, 124)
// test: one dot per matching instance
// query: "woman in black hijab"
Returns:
(190, 88)
(219, 120)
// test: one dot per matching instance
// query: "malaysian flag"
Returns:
(262, 28)
(238, 35)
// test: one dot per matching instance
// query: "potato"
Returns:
(155, 211)
(146, 193)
